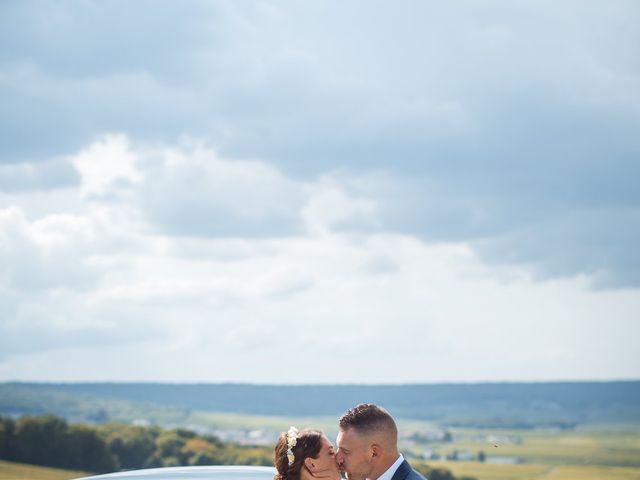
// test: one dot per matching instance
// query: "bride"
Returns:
(304, 455)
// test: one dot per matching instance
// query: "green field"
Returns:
(19, 471)
(483, 471)
(609, 453)
(548, 447)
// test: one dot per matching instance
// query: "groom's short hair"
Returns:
(368, 418)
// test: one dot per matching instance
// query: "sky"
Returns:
(319, 192)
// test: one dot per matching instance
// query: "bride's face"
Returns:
(325, 464)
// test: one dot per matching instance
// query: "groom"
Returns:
(368, 446)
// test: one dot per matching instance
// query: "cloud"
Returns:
(573, 242)
(56, 321)
(223, 198)
(380, 264)
(47, 175)
(579, 236)
(106, 165)
(50, 283)
(42, 254)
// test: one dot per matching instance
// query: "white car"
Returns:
(191, 473)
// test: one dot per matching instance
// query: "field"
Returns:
(19, 471)
(580, 447)
(606, 452)
(484, 471)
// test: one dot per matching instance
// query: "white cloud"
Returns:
(223, 197)
(105, 163)
(42, 254)
(329, 205)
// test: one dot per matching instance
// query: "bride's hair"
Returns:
(308, 444)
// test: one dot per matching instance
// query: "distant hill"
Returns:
(483, 404)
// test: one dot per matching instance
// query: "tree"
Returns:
(86, 450)
(7, 426)
(40, 440)
(198, 451)
(132, 446)
(169, 448)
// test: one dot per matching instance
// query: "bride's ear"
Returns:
(308, 462)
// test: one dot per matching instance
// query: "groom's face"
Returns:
(352, 455)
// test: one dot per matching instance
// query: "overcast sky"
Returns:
(302, 192)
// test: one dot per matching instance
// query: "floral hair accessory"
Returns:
(292, 439)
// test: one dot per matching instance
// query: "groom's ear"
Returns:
(376, 450)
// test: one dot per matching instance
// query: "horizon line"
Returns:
(321, 384)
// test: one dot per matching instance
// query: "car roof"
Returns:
(217, 472)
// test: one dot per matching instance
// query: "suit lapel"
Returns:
(402, 471)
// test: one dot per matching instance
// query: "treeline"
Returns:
(50, 441)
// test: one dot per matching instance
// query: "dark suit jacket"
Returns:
(405, 472)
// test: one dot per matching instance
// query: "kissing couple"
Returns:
(367, 449)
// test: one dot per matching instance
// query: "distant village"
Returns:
(421, 445)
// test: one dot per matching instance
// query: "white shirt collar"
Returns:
(388, 475)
